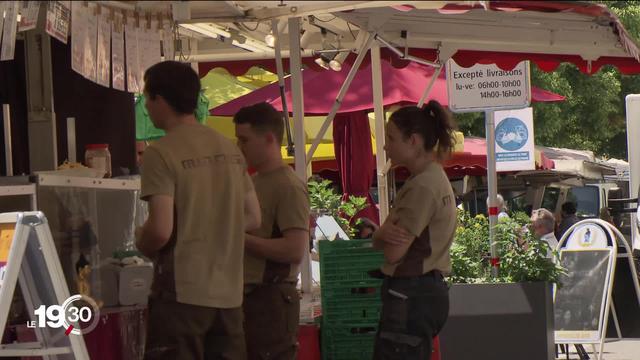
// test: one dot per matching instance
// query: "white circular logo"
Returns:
(511, 134)
(78, 315)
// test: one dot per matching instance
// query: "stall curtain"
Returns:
(354, 155)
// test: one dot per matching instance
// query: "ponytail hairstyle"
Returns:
(433, 122)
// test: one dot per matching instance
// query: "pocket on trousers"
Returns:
(291, 308)
(284, 351)
(395, 312)
(399, 346)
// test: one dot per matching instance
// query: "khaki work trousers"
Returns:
(179, 331)
(271, 318)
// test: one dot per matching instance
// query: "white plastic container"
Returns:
(98, 157)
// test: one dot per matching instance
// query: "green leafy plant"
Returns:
(522, 256)
(470, 249)
(323, 197)
(326, 201)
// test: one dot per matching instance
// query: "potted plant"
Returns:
(505, 317)
(324, 200)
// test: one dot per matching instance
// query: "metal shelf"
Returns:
(85, 182)
(15, 190)
(21, 190)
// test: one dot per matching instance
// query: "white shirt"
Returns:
(551, 240)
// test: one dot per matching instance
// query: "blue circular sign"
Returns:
(511, 134)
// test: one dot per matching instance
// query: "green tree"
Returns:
(593, 116)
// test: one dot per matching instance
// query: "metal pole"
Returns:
(633, 151)
(279, 69)
(381, 158)
(8, 151)
(492, 187)
(432, 82)
(406, 56)
(71, 139)
(43, 148)
(341, 94)
(34, 200)
(299, 134)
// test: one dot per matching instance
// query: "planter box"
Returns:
(499, 321)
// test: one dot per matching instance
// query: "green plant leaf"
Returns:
(470, 252)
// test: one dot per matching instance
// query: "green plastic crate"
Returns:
(352, 312)
(346, 263)
(352, 290)
(347, 342)
(349, 295)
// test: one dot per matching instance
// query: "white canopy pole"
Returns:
(8, 152)
(432, 82)
(492, 185)
(280, 71)
(381, 157)
(341, 94)
(297, 100)
(633, 151)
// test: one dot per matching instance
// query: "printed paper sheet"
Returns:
(104, 50)
(58, 16)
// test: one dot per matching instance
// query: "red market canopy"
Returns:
(471, 161)
(400, 86)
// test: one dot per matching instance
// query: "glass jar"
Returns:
(98, 157)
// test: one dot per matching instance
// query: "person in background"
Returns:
(502, 208)
(605, 215)
(201, 202)
(141, 146)
(528, 209)
(543, 223)
(366, 228)
(417, 235)
(142, 208)
(274, 251)
(568, 218)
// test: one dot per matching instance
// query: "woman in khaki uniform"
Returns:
(417, 235)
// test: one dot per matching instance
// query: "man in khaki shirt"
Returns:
(201, 201)
(275, 250)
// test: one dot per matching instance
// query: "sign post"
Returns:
(488, 88)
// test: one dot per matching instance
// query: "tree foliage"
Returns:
(593, 115)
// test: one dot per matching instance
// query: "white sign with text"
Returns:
(487, 87)
(515, 148)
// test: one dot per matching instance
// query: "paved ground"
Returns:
(626, 349)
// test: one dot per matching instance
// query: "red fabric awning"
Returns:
(400, 86)
(472, 161)
(465, 58)
(504, 60)
(355, 160)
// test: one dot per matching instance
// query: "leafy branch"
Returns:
(518, 263)
(326, 201)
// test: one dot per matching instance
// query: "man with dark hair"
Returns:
(568, 218)
(262, 118)
(201, 201)
(176, 83)
(275, 250)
